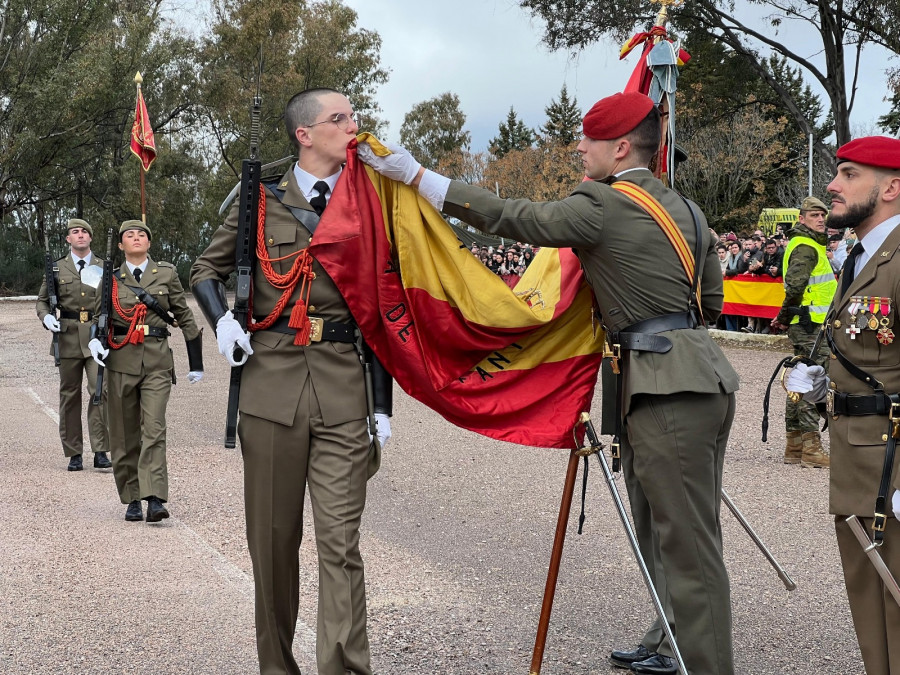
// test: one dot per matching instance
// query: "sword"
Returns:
(871, 550)
(785, 578)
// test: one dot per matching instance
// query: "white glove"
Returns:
(895, 504)
(811, 381)
(399, 165)
(230, 336)
(51, 323)
(97, 351)
(382, 428)
(195, 376)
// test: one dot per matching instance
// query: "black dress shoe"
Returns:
(155, 510)
(101, 461)
(624, 659)
(134, 511)
(75, 463)
(657, 664)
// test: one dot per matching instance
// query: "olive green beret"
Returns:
(134, 225)
(813, 204)
(78, 222)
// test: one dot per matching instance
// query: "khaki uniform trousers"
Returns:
(279, 461)
(876, 615)
(137, 433)
(71, 434)
(673, 456)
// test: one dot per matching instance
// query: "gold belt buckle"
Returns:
(829, 403)
(144, 327)
(83, 316)
(895, 420)
(317, 327)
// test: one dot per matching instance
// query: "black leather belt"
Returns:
(641, 336)
(148, 331)
(83, 316)
(855, 405)
(327, 331)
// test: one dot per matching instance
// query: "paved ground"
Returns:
(456, 539)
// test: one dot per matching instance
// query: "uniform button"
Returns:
(160, 292)
(310, 240)
(82, 294)
(154, 270)
(884, 437)
(833, 357)
(832, 385)
(837, 323)
(271, 241)
(313, 275)
(312, 308)
(466, 205)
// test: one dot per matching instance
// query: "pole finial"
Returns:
(138, 78)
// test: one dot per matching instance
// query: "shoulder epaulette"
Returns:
(162, 263)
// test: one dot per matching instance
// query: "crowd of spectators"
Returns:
(758, 254)
(508, 262)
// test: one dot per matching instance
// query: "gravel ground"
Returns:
(456, 539)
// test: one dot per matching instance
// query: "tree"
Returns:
(433, 130)
(563, 119)
(514, 135)
(845, 29)
(547, 172)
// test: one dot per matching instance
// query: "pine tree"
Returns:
(514, 135)
(563, 119)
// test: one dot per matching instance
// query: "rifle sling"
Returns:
(151, 302)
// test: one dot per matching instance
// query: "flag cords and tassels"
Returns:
(135, 316)
(301, 272)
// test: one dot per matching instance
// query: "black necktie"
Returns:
(137, 274)
(849, 271)
(80, 266)
(318, 202)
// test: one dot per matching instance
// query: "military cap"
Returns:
(78, 222)
(614, 116)
(813, 204)
(134, 225)
(880, 151)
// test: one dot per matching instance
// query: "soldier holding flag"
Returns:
(638, 243)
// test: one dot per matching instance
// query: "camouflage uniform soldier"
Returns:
(809, 286)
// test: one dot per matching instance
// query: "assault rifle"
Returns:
(51, 271)
(245, 256)
(103, 325)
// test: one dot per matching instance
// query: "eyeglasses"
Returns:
(341, 121)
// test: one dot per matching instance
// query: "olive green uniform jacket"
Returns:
(75, 358)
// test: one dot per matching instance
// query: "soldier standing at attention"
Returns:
(140, 369)
(303, 408)
(809, 286)
(863, 392)
(678, 387)
(77, 287)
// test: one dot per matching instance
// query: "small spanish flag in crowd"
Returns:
(516, 364)
(142, 143)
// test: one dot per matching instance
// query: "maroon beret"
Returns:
(614, 116)
(880, 151)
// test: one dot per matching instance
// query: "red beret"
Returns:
(880, 151)
(614, 116)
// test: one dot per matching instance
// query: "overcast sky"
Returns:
(489, 53)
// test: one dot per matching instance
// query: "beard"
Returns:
(856, 213)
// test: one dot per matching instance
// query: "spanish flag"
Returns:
(753, 295)
(516, 364)
(142, 143)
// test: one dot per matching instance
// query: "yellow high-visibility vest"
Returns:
(822, 284)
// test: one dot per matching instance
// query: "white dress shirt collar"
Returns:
(306, 181)
(142, 266)
(874, 239)
(87, 259)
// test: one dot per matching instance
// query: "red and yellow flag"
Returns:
(142, 143)
(515, 364)
(753, 295)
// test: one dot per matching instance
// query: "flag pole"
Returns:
(137, 80)
(540, 640)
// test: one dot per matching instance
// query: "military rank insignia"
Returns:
(870, 313)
